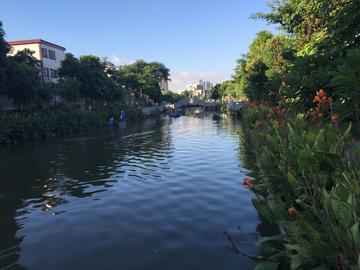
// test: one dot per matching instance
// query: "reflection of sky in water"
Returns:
(148, 196)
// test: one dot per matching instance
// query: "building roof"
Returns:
(35, 41)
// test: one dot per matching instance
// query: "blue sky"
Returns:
(196, 39)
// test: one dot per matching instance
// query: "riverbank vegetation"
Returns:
(88, 92)
(24, 126)
(308, 184)
(302, 119)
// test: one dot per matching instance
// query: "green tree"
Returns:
(317, 25)
(22, 82)
(158, 71)
(172, 96)
(216, 92)
(70, 67)
(149, 86)
(250, 74)
(186, 94)
(4, 47)
(92, 77)
(89, 77)
(346, 82)
(70, 89)
(19, 75)
(261, 74)
(26, 56)
(319, 34)
(142, 79)
(4, 50)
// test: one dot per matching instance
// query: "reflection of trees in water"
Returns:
(246, 153)
(248, 161)
(67, 167)
(223, 124)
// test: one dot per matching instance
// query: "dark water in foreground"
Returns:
(155, 195)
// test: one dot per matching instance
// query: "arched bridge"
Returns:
(190, 102)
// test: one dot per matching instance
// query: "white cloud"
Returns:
(181, 79)
(120, 61)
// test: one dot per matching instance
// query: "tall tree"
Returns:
(89, 75)
(142, 78)
(4, 50)
(22, 81)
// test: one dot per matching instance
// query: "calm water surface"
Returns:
(155, 195)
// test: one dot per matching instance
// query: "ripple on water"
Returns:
(155, 196)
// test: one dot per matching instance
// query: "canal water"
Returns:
(153, 195)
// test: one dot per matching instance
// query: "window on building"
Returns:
(52, 55)
(46, 72)
(53, 73)
(44, 52)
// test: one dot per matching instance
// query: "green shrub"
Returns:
(308, 184)
(23, 127)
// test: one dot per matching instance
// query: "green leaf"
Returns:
(320, 267)
(348, 130)
(306, 160)
(263, 210)
(266, 245)
(291, 229)
(319, 139)
(292, 180)
(297, 261)
(343, 211)
(276, 238)
(267, 266)
(355, 234)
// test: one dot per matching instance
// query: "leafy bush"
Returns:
(308, 184)
(19, 127)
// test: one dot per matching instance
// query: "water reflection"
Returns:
(248, 161)
(42, 177)
(150, 195)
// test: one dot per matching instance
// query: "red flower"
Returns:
(335, 119)
(248, 182)
(262, 125)
(322, 98)
(293, 214)
(316, 114)
(316, 99)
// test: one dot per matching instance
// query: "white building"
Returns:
(50, 56)
(207, 86)
(200, 89)
(194, 89)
